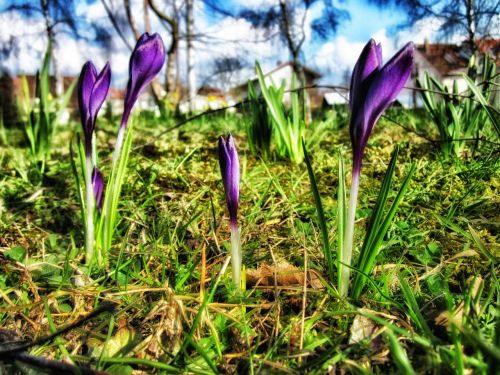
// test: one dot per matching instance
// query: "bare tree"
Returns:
(131, 19)
(471, 19)
(294, 35)
(59, 17)
(117, 23)
(286, 20)
(49, 29)
(223, 69)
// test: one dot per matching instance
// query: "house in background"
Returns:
(207, 98)
(11, 88)
(447, 62)
(339, 96)
(282, 73)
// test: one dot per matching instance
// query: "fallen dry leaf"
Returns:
(285, 275)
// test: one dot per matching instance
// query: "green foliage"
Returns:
(430, 307)
(259, 125)
(42, 114)
(15, 253)
(109, 218)
(288, 127)
(377, 229)
(3, 136)
(463, 117)
(399, 354)
(379, 224)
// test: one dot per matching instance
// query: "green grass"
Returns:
(431, 305)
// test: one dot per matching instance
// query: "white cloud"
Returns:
(253, 4)
(339, 55)
(26, 52)
(231, 38)
(427, 28)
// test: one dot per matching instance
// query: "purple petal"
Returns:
(85, 85)
(145, 63)
(230, 171)
(98, 187)
(389, 82)
(99, 92)
(368, 62)
(381, 90)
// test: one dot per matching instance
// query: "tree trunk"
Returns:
(173, 48)
(294, 49)
(471, 25)
(131, 20)
(190, 53)
(147, 22)
(59, 80)
(114, 22)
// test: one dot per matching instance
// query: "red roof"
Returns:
(491, 47)
(449, 57)
(308, 71)
(444, 57)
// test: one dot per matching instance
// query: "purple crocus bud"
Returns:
(373, 88)
(98, 187)
(145, 63)
(230, 171)
(369, 62)
(92, 90)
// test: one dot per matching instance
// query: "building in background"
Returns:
(283, 73)
(11, 90)
(448, 62)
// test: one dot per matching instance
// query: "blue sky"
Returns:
(331, 57)
(367, 19)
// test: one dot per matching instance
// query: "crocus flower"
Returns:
(145, 63)
(230, 171)
(98, 187)
(92, 90)
(373, 88)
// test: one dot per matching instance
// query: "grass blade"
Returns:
(414, 309)
(399, 354)
(321, 215)
(482, 100)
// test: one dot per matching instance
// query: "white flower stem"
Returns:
(89, 233)
(236, 255)
(349, 237)
(118, 144)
